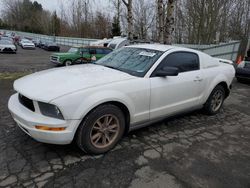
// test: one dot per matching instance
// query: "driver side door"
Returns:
(173, 94)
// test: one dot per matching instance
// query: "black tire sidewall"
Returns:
(84, 130)
(208, 105)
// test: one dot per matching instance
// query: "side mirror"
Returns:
(167, 71)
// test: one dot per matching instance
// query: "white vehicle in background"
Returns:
(7, 46)
(27, 44)
(132, 87)
(103, 42)
(118, 43)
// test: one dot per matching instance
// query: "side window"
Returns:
(107, 51)
(184, 61)
(85, 51)
(99, 51)
(92, 51)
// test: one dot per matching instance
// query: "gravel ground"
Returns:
(26, 60)
(192, 150)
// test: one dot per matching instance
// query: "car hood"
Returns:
(50, 84)
(28, 43)
(8, 45)
(61, 54)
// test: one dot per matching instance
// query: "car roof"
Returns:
(162, 47)
(158, 47)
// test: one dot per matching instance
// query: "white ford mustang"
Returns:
(95, 104)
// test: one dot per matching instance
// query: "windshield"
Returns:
(73, 50)
(26, 41)
(134, 61)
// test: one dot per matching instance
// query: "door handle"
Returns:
(198, 79)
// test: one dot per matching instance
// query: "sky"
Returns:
(53, 5)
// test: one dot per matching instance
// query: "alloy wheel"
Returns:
(217, 100)
(105, 131)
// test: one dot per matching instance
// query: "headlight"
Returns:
(50, 110)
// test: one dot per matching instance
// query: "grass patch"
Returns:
(13, 76)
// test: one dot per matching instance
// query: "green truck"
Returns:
(78, 54)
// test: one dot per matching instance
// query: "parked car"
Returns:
(36, 42)
(103, 42)
(41, 43)
(243, 71)
(95, 104)
(51, 46)
(27, 44)
(7, 46)
(76, 55)
(118, 43)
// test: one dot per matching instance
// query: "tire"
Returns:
(91, 136)
(215, 100)
(68, 63)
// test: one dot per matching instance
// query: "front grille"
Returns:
(7, 50)
(53, 58)
(26, 102)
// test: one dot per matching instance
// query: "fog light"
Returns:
(45, 128)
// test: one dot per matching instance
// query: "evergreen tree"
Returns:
(116, 29)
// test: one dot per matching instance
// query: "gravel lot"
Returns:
(192, 150)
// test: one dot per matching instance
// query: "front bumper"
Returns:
(8, 50)
(28, 47)
(27, 120)
(55, 62)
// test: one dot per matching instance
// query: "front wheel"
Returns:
(101, 129)
(68, 63)
(215, 100)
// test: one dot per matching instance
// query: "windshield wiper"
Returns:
(119, 69)
(112, 67)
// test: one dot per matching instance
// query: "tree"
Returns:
(144, 15)
(160, 20)
(165, 21)
(55, 24)
(102, 26)
(169, 25)
(23, 15)
(129, 7)
(116, 29)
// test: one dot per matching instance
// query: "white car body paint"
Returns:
(25, 43)
(76, 90)
(4, 46)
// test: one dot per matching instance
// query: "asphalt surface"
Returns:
(192, 150)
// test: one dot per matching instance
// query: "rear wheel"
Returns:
(215, 100)
(101, 129)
